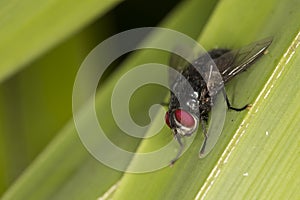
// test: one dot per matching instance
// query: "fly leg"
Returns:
(177, 137)
(229, 105)
(203, 124)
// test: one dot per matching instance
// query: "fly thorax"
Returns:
(193, 102)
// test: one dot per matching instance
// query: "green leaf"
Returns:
(257, 156)
(65, 170)
(262, 160)
(35, 103)
(30, 28)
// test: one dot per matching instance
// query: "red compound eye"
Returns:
(167, 119)
(184, 118)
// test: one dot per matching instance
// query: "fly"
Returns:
(184, 119)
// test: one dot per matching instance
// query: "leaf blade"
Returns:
(49, 23)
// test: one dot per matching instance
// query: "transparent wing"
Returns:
(236, 61)
(229, 65)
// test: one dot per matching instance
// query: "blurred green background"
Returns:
(43, 43)
(36, 101)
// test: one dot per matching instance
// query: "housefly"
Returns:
(184, 118)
